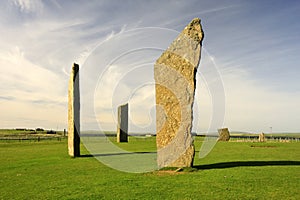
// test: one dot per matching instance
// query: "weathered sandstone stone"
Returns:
(122, 132)
(174, 74)
(223, 134)
(74, 113)
(261, 137)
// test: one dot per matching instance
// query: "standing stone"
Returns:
(175, 81)
(223, 134)
(74, 113)
(261, 137)
(122, 132)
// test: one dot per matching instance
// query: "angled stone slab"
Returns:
(175, 81)
(74, 113)
(122, 131)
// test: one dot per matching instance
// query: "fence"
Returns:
(31, 139)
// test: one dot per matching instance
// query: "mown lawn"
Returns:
(232, 170)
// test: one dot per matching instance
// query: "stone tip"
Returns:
(194, 30)
(196, 21)
(122, 105)
(75, 67)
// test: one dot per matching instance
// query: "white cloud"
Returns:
(91, 47)
(31, 115)
(107, 84)
(254, 106)
(32, 93)
(142, 106)
(29, 6)
(107, 96)
(23, 76)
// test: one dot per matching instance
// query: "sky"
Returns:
(248, 78)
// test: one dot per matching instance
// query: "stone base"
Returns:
(186, 159)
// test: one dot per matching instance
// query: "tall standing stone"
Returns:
(261, 137)
(223, 134)
(175, 78)
(74, 113)
(122, 131)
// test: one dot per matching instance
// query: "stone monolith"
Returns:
(261, 137)
(122, 131)
(223, 134)
(175, 81)
(74, 113)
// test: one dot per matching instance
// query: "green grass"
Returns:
(295, 135)
(14, 132)
(233, 170)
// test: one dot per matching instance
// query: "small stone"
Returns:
(223, 134)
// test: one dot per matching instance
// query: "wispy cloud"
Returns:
(21, 73)
(253, 106)
(29, 6)
(30, 92)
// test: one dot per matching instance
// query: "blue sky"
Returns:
(254, 45)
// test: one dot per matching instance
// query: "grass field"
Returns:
(233, 170)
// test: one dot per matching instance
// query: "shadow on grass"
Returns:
(221, 165)
(114, 154)
(224, 165)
